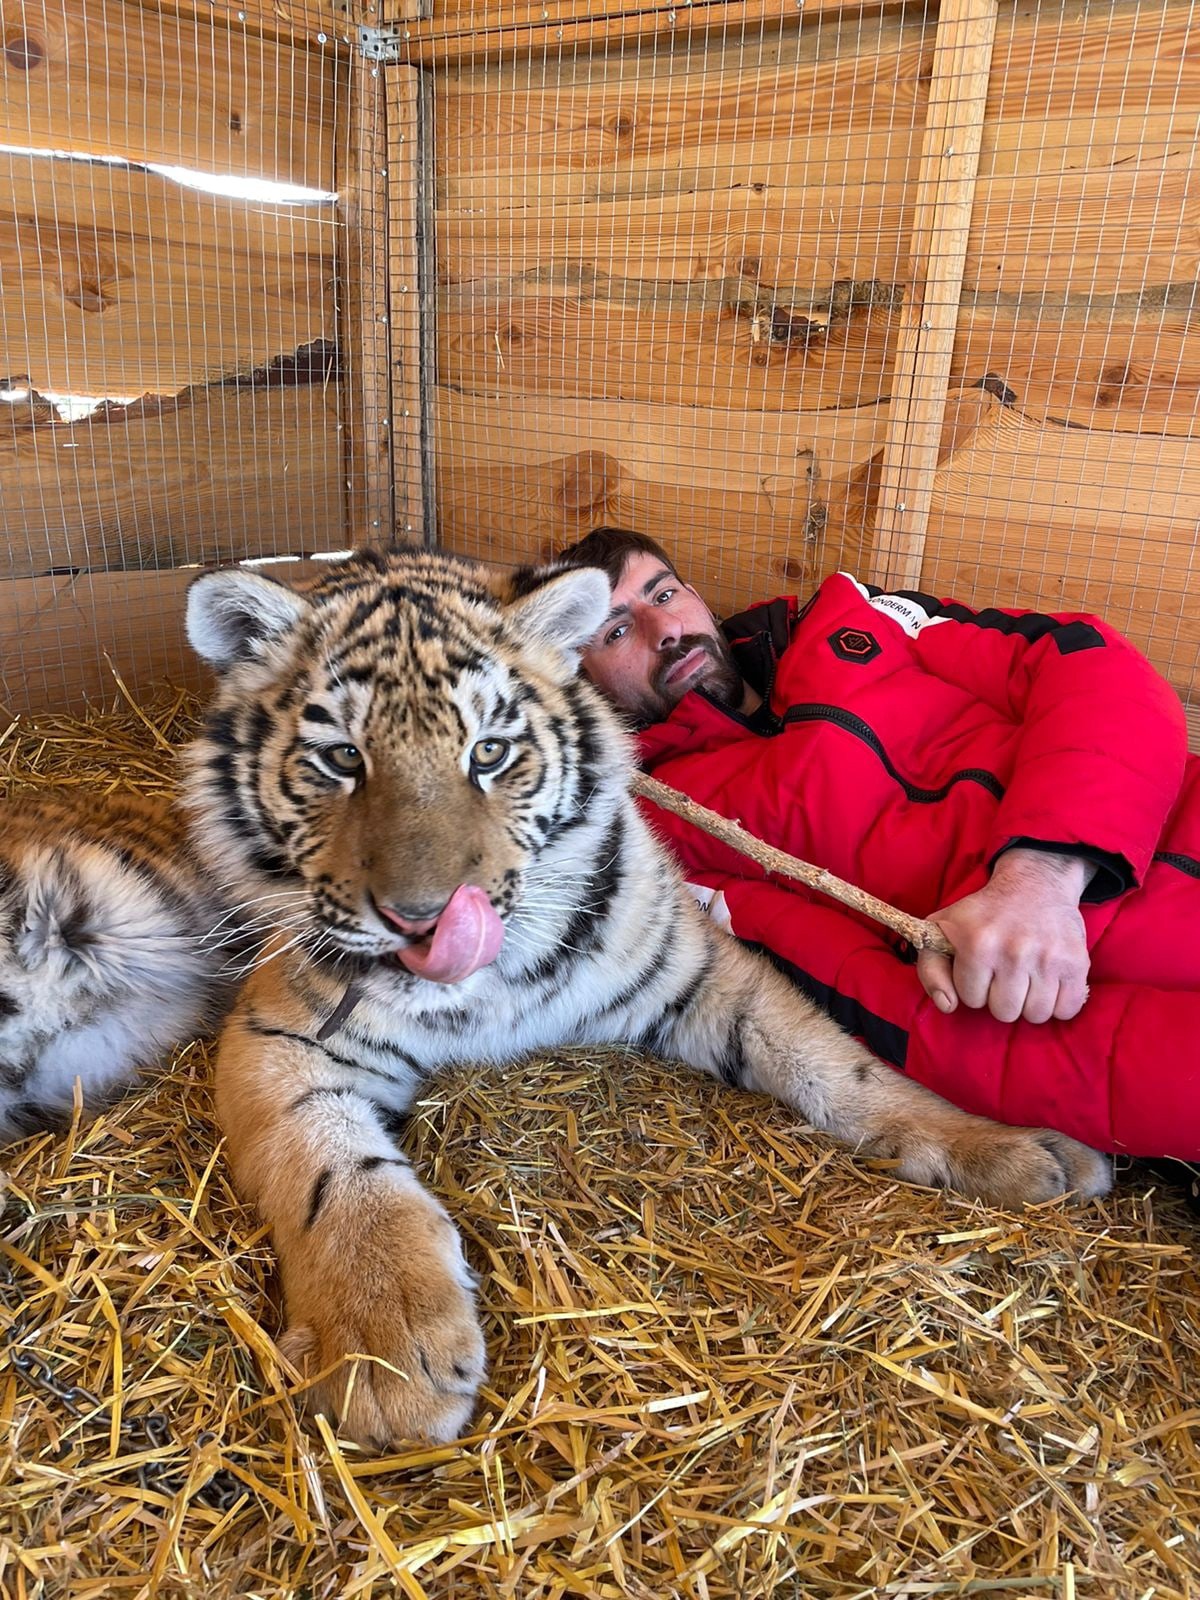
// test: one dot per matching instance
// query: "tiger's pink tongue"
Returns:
(468, 936)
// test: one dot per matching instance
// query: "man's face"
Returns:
(660, 640)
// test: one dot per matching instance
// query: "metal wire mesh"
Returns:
(696, 284)
(906, 290)
(176, 262)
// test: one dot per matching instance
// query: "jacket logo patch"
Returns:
(854, 644)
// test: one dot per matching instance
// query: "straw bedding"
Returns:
(726, 1361)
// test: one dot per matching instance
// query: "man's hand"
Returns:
(1019, 943)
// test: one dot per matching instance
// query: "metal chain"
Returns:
(149, 1430)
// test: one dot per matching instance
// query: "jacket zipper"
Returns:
(1181, 863)
(776, 723)
(863, 730)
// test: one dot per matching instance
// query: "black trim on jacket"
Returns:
(888, 1040)
(1069, 637)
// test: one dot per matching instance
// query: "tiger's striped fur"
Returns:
(415, 661)
(111, 949)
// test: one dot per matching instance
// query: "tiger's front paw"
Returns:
(1012, 1167)
(392, 1313)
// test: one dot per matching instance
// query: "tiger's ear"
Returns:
(233, 615)
(564, 610)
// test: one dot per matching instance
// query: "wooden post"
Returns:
(365, 341)
(941, 223)
(404, 299)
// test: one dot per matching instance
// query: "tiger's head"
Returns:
(391, 752)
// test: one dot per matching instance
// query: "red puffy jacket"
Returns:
(907, 742)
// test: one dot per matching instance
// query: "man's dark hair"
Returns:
(610, 548)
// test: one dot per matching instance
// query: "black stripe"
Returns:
(644, 979)
(318, 1197)
(265, 1032)
(1069, 637)
(597, 894)
(369, 1163)
(732, 1065)
(1181, 863)
(321, 1089)
(886, 1039)
(863, 730)
(384, 1048)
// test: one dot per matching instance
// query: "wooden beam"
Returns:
(942, 219)
(446, 41)
(364, 333)
(317, 25)
(403, 88)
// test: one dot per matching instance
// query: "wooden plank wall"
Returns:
(671, 282)
(207, 324)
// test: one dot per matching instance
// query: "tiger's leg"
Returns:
(371, 1263)
(749, 1026)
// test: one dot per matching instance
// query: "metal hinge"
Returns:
(382, 44)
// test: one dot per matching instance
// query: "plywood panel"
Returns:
(121, 282)
(97, 77)
(63, 637)
(221, 474)
(76, 631)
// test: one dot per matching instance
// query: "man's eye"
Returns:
(346, 760)
(663, 595)
(615, 634)
(487, 754)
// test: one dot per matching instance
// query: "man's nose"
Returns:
(662, 628)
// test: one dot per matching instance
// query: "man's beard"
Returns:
(718, 677)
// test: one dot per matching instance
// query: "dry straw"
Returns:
(726, 1361)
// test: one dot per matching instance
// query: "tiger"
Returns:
(409, 748)
(115, 948)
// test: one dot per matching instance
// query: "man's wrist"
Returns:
(1064, 874)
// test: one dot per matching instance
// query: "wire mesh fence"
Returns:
(904, 290)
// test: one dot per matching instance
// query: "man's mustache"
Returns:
(689, 642)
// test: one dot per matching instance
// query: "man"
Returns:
(1021, 779)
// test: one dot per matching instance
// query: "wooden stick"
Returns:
(920, 934)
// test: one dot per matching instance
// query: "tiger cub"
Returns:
(111, 949)
(408, 748)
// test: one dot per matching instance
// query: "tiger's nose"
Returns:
(414, 920)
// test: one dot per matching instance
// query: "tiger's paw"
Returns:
(397, 1325)
(1013, 1167)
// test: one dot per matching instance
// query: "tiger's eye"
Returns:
(488, 753)
(344, 759)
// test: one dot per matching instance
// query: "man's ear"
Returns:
(564, 612)
(232, 616)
